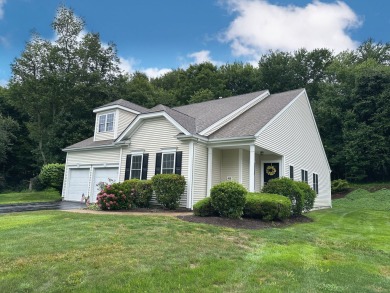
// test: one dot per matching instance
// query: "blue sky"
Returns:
(156, 36)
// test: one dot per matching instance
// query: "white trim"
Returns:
(93, 147)
(262, 162)
(191, 156)
(174, 161)
(220, 123)
(168, 150)
(120, 164)
(141, 117)
(115, 107)
(209, 169)
(96, 128)
(280, 113)
(131, 164)
(252, 160)
(116, 123)
(240, 166)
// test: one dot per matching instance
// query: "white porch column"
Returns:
(252, 168)
(209, 169)
(190, 199)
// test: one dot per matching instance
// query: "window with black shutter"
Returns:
(291, 172)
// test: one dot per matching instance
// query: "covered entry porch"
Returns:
(247, 164)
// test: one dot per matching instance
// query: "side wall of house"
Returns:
(294, 135)
(200, 172)
(154, 135)
(125, 118)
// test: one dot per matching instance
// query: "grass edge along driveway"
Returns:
(345, 249)
(29, 197)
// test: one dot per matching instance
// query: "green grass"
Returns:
(345, 249)
(374, 186)
(26, 197)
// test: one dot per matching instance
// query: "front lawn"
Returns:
(33, 196)
(345, 249)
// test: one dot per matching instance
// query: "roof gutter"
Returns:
(109, 146)
(240, 139)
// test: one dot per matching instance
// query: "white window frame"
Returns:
(105, 123)
(131, 165)
(174, 161)
(306, 173)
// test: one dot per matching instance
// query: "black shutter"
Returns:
(158, 164)
(145, 160)
(127, 170)
(178, 162)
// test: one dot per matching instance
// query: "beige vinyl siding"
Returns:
(97, 156)
(245, 169)
(152, 136)
(104, 135)
(216, 167)
(200, 172)
(294, 134)
(229, 166)
(124, 120)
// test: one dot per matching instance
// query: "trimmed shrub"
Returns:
(267, 206)
(112, 197)
(139, 192)
(228, 199)
(52, 175)
(286, 187)
(204, 208)
(339, 185)
(308, 193)
(168, 189)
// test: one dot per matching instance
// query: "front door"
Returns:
(271, 171)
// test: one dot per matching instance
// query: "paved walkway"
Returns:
(38, 206)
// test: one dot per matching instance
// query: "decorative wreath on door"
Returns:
(270, 170)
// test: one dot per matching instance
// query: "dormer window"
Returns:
(106, 122)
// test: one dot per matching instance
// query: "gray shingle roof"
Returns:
(254, 119)
(86, 143)
(125, 104)
(184, 120)
(207, 113)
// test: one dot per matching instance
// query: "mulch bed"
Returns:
(244, 223)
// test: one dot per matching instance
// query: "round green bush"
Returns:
(267, 206)
(52, 175)
(339, 185)
(228, 199)
(168, 189)
(204, 208)
(308, 194)
(139, 192)
(286, 187)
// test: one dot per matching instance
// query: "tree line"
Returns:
(56, 84)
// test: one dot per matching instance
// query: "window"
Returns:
(304, 176)
(136, 167)
(168, 163)
(291, 172)
(106, 122)
(315, 182)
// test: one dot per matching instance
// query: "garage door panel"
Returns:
(78, 184)
(103, 175)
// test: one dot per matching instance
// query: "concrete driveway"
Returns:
(38, 206)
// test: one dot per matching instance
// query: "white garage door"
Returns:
(102, 175)
(78, 184)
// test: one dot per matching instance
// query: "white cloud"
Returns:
(2, 3)
(129, 66)
(201, 57)
(3, 82)
(260, 26)
(4, 42)
(154, 72)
